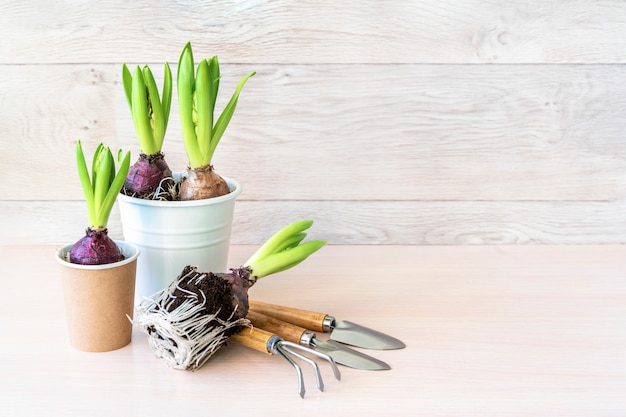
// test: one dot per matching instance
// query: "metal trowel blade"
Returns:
(361, 336)
(349, 357)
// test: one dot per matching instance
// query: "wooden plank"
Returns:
(360, 222)
(287, 32)
(489, 331)
(347, 132)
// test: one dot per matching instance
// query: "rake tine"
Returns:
(285, 354)
(318, 375)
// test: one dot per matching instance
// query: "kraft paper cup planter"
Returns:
(99, 300)
(174, 234)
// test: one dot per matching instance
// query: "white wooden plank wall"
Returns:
(396, 122)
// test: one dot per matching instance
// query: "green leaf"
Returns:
(102, 184)
(291, 242)
(166, 101)
(278, 239)
(202, 135)
(102, 192)
(85, 182)
(114, 188)
(203, 108)
(97, 156)
(227, 114)
(185, 85)
(112, 168)
(150, 113)
(127, 80)
(281, 261)
(214, 81)
(155, 111)
(141, 116)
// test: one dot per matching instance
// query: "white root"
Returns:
(167, 189)
(185, 337)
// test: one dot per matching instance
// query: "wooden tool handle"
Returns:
(303, 318)
(254, 338)
(287, 331)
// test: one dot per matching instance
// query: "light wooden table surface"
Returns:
(490, 331)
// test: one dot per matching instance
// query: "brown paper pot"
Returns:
(98, 299)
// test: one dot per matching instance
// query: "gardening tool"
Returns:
(296, 334)
(267, 342)
(341, 331)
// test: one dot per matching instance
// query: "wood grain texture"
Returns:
(253, 338)
(265, 312)
(396, 132)
(285, 331)
(288, 31)
(360, 222)
(401, 122)
(490, 330)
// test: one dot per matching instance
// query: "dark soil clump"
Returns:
(210, 290)
(188, 321)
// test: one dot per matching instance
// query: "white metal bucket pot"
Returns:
(174, 234)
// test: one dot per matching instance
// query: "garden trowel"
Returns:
(299, 335)
(341, 331)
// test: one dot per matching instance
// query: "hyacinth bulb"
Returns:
(146, 175)
(95, 248)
